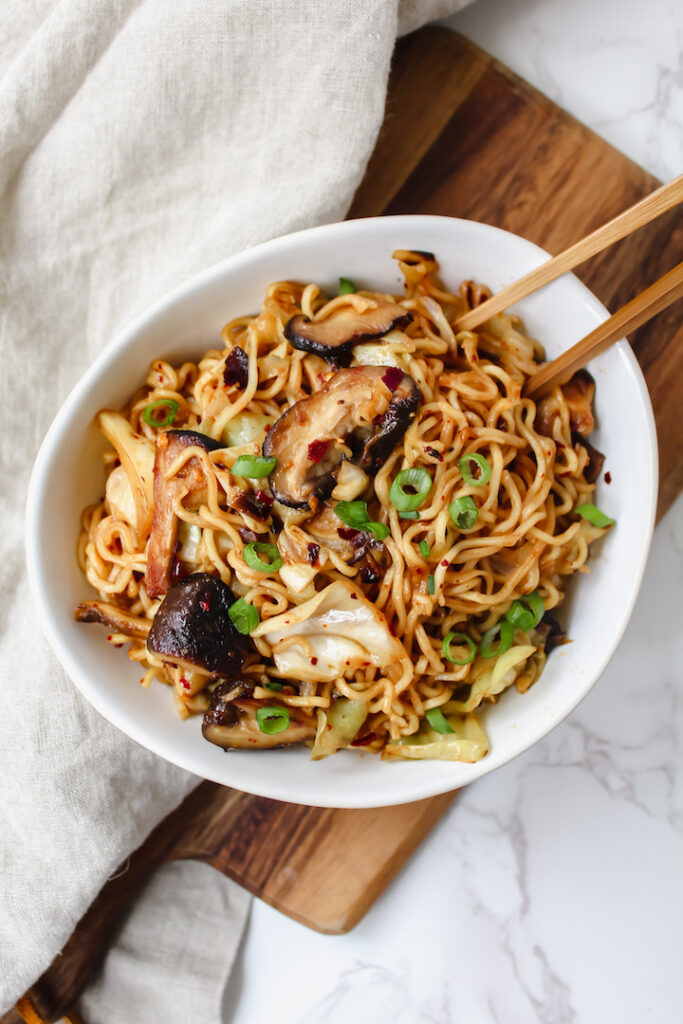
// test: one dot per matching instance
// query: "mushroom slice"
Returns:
(230, 722)
(578, 394)
(113, 617)
(189, 479)
(137, 458)
(338, 631)
(192, 627)
(596, 459)
(360, 415)
(334, 337)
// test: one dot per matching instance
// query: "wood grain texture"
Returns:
(463, 137)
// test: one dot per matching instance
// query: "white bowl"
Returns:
(68, 474)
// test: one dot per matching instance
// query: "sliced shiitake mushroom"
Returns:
(360, 415)
(335, 337)
(113, 617)
(230, 722)
(192, 627)
(578, 394)
(189, 480)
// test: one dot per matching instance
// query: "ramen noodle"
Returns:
(346, 526)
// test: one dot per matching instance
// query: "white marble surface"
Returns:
(553, 889)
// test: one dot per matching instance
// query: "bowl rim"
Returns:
(417, 788)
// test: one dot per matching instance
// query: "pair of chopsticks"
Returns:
(653, 300)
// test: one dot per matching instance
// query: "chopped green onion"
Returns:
(458, 638)
(463, 512)
(346, 286)
(251, 553)
(416, 477)
(594, 515)
(527, 612)
(272, 685)
(253, 466)
(410, 515)
(162, 403)
(430, 585)
(272, 720)
(467, 474)
(507, 633)
(355, 514)
(438, 721)
(424, 548)
(244, 616)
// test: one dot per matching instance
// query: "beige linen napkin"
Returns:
(140, 141)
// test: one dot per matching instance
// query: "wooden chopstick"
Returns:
(653, 300)
(642, 213)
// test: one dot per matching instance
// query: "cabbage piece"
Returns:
(245, 428)
(337, 726)
(493, 680)
(383, 353)
(137, 458)
(467, 742)
(340, 630)
(189, 538)
(119, 497)
(297, 576)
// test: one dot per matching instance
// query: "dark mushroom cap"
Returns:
(335, 337)
(360, 415)
(230, 721)
(192, 627)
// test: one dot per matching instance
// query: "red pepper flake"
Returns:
(354, 597)
(434, 454)
(110, 636)
(267, 427)
(363, 741)
(475, 357)
(314, 661)
(204, 605)
(317, 450)
(445, 562)
(184, 683)
(392, 378)
(313, 552)
(236, 369)
(348, 533)
(607, 477)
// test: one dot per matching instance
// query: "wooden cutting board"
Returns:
(464, 137)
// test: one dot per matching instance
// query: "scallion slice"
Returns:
(273, 685)
(503, 630)
(463, 512)
(272, 720)
(251, 553)
(355, 514)
(438, 721)
(594, 515)
(253, 466)
(457, 639)
(410, 515)
(467, 472)
(424, 548)
(162, 403)
(416, 477)
(245, 617)
(346, 286)
(430, 585)
(526, 612)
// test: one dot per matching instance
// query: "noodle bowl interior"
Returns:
(345, 527)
